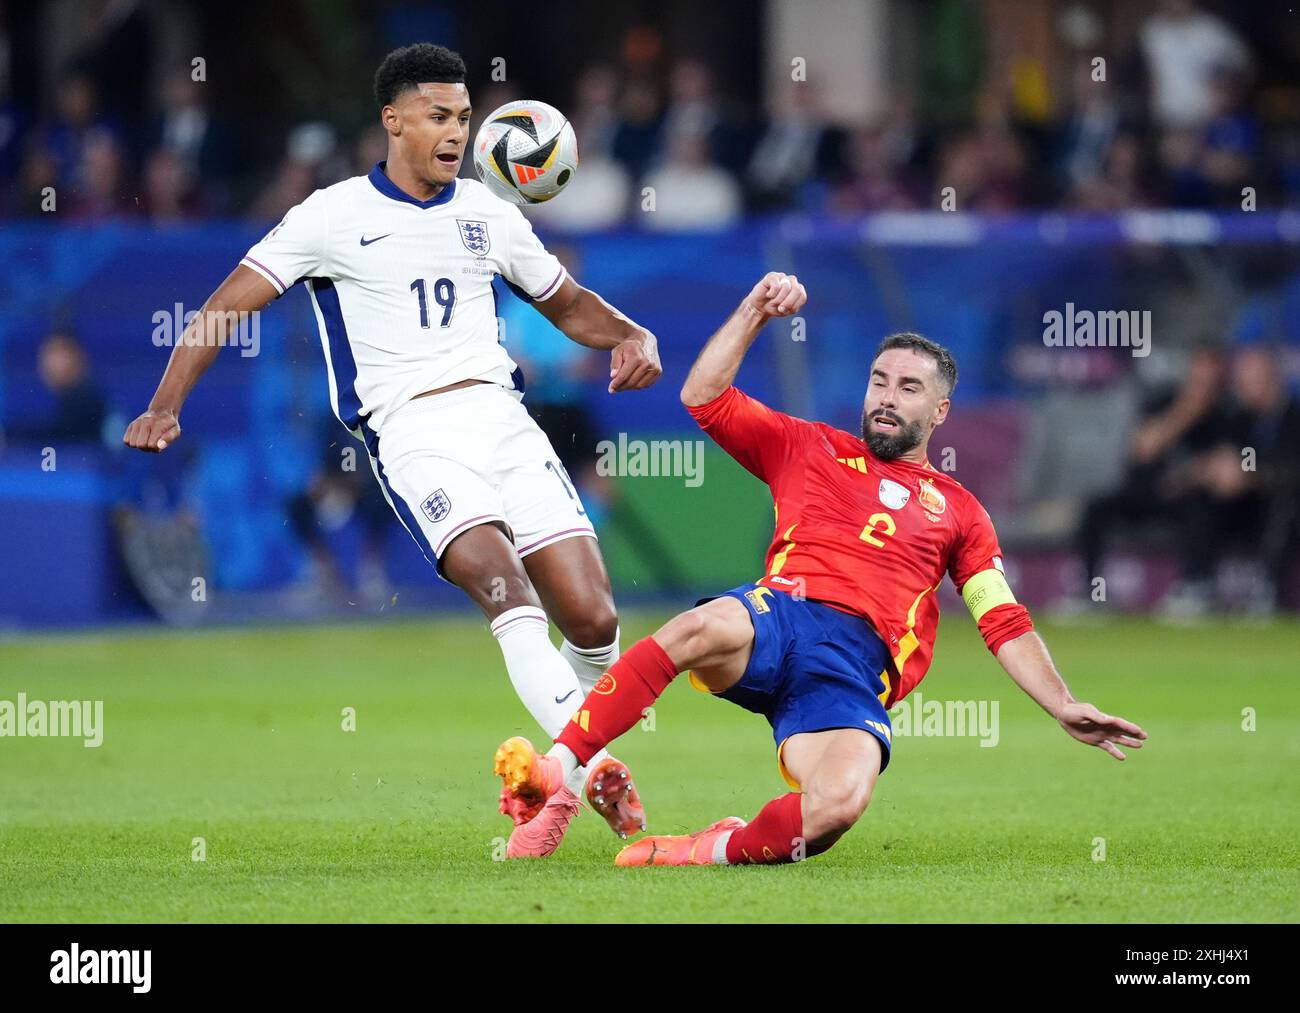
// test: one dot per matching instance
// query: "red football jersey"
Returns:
(867, 536)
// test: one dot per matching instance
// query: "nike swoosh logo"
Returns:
(367, 242)
(561, 699)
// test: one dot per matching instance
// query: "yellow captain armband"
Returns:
(987, 590)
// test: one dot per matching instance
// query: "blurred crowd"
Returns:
(1181, 106)
(1175, 117)
(1211, 470)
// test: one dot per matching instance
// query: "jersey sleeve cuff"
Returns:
(702, 413)
(266, 273)
(552, 288)
(1005, 623)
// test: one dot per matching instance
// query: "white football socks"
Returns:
(590, 663)
(569, 761)
(544, 681)
(551, 683)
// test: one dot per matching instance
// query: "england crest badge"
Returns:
(475, 237)
(436, 506)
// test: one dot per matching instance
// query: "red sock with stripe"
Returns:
(618, 699)
(775, 835)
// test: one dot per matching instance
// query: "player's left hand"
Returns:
(1091, 726)
(634, 364)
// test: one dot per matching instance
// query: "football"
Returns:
(526, 152)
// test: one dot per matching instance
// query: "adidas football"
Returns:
(526, 152)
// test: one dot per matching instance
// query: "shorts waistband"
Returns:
(451, 397)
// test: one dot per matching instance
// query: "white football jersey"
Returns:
(402, 288)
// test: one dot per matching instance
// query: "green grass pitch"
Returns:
(235, 736)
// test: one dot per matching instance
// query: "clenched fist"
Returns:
(634, 364)
(153, 432)
(777, 295)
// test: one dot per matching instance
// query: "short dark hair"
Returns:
(411, 66)
(945, 364)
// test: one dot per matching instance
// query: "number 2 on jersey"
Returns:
(878, 524)
(444, 294)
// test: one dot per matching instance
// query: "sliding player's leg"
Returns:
(837, 770)
(815, 674)
(713, 640)
(571, 579)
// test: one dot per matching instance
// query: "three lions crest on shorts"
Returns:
(436, 506)
(475, 237)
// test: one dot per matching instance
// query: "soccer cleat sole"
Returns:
(515, 763)
(612, 793)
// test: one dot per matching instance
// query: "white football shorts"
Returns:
(473, 456)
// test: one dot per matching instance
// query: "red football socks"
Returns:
(774, 836)
(618, 700)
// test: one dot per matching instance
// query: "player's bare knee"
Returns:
(685, 637)
(831, 812)
(828, 821)
(597, 626)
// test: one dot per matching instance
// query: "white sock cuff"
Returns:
(720, 848)
(566, 758)
(595, 654)
(518, 618)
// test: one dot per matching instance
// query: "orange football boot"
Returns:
(528, 778)
(686, 849)
(540, 836)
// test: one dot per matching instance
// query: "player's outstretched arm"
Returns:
(590, 321)
(243, 291)
(1027, 662)
(776, 295)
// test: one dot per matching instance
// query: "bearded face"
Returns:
(906, 399)
(888, 434)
